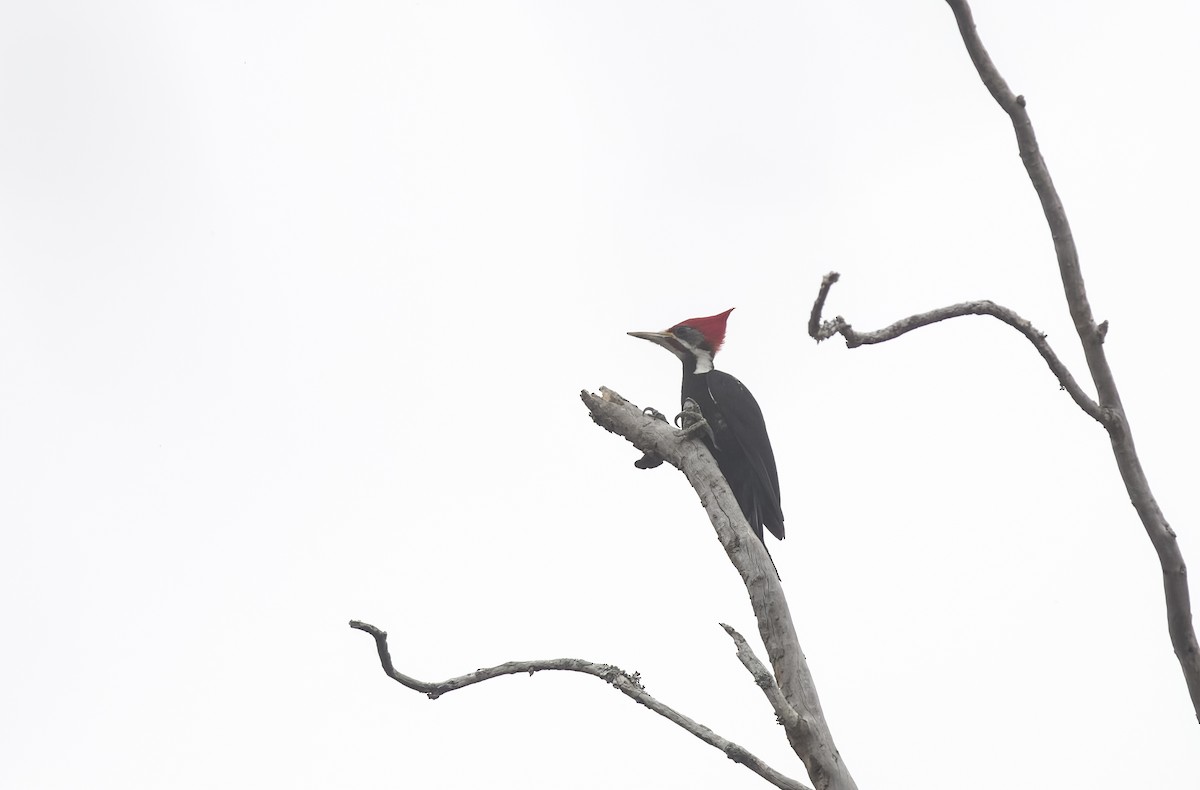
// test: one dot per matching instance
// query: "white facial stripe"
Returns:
(704, 360)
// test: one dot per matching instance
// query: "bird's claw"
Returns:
(690, 422)
(650, 460)
(650, 411)
(700, 426)
(690, 415)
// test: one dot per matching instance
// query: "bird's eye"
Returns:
(688, 335)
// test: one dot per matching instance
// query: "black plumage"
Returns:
(742, 447)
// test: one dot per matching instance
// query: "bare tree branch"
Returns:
(810, 738)
(1175, 585)
(822, 330)
(628, 684)
(1107, 409)
(784, 713)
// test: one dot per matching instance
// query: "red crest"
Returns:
(712, 327)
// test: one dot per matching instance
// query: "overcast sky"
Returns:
(296, 301)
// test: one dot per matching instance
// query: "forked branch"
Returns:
(808, 733)
(628, 684)
(1107, 408)
(1091, 335)
(785, 714)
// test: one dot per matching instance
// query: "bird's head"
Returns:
(696, 340)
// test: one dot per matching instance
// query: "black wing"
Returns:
(757, 480)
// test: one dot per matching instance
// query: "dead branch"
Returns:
(628, 684)
(784, 713)
(810, 738)
(1174, 571)
(823, 330)
(1107, 409)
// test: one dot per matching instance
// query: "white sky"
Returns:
(296, 300)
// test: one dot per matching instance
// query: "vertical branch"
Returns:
(1175, 584)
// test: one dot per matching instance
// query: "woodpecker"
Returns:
(738, 438)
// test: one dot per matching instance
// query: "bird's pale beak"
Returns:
(662, 338)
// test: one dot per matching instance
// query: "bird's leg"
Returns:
(650, 460)
(690, 422)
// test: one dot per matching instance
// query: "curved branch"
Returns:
(1174, 571)
(627, 684)
(823, 330)
(810, 738)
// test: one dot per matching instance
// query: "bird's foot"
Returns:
(650, 460)
(650, 411)
(691, 422)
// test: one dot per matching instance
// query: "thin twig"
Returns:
(823, 330)
(1116, 422)
(628, 684)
